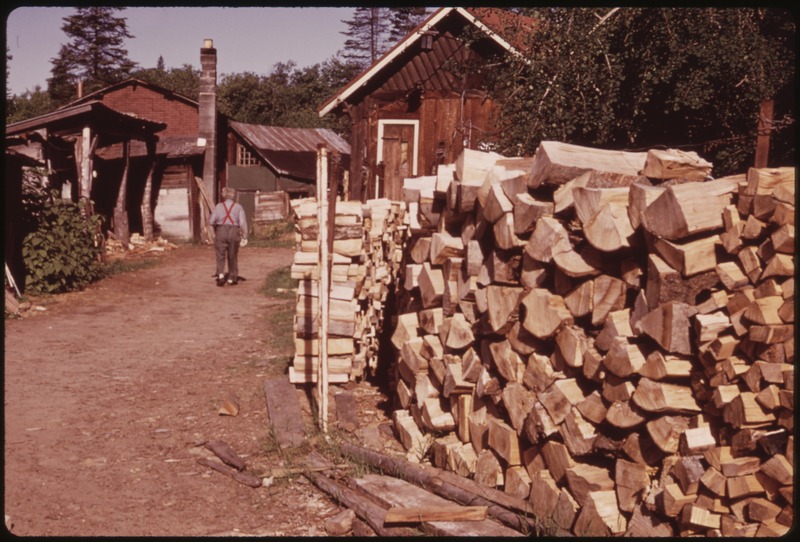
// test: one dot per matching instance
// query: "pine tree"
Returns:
(95, 54)
(367, 33)
(404, 20)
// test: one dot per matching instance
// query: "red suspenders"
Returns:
(228, 213)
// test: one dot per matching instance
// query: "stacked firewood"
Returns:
(367, 245)
(607, 334)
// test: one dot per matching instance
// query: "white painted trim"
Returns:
(415, 151)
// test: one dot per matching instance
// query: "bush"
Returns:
(63, 251)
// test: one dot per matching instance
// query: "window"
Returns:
(244, 157)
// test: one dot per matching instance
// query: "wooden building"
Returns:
(411, 111)
(268, 165)
(66, 145)
(177, 197)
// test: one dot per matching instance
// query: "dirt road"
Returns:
(110, 392)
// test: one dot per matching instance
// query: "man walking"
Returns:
(230, 228)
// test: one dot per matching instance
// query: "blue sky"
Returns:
(250, 39)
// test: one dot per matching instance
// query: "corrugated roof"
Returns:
(291, 152)
(276, 138)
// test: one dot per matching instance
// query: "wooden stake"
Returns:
(324, 251)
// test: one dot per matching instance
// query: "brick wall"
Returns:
(181, 118)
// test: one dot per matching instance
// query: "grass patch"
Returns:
(118, 266)
(279, 284)
(273, 235)
(280, 326)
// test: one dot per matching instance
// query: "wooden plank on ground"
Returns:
(285, 414)
(393, 492)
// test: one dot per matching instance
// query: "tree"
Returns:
(184, 80)
(637, 78)
(94, 56)
(404, 20)
(27, 105)
(288, 96)
(367, 34)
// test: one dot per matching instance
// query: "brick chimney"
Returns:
(208, 115)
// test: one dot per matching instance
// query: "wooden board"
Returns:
(285, 415)
(393, 492)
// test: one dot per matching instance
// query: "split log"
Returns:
(600, 516)
(666, 431)
(676, 164)
(768, 180)
(640, 197)
(583, 479)
(445, 246)
(545, 313)
(631, 480)
(653, 396)
(690, 258)
(556, 163)
(666, 283)
(503, 307)
(623, 358)
(504, 441)
(669, 325)
(527, 211)
(660, 367)
(687, 209)
(604, 215)
(608, 294)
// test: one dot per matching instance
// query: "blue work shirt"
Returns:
(233, 216)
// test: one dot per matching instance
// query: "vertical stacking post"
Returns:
(324, 282)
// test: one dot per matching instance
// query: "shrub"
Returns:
(63, 251)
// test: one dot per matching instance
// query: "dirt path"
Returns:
(109, 392)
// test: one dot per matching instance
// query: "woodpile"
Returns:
(366, 254)
(609, 335)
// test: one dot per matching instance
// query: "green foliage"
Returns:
(288, 96)
(636, 78)
(184, 80)
(28, 105)
(95, 54)
(62, 252)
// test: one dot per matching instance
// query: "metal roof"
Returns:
(290, 152)
(276, 138)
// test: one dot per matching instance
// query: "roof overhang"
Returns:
(70, 121)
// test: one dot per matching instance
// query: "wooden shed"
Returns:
(180, 157)
(410, 111)
(269, 165)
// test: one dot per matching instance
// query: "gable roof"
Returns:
(290, 152)
(491, 21)
(133, 82)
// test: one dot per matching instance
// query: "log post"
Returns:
(764, 128)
